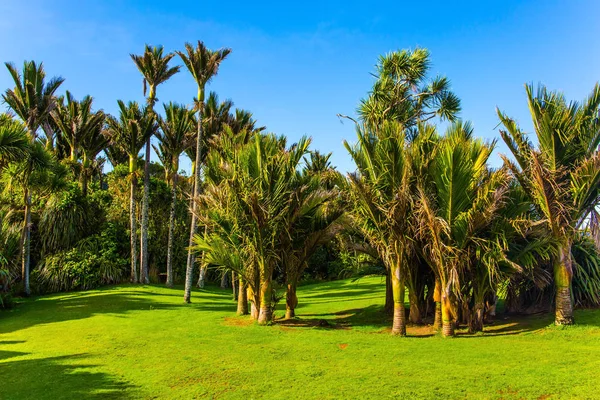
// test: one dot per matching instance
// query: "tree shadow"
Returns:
(119, 300)
(59, 378)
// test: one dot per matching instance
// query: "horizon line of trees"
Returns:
(423, 208)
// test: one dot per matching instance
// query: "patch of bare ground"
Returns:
(238, 321)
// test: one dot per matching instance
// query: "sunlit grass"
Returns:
(143, 342)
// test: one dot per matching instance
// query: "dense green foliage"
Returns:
(423, 209)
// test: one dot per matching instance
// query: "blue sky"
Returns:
(295, 66)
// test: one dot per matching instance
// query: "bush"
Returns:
(5, 297)
(96, 260)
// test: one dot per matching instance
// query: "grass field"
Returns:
(143, 342)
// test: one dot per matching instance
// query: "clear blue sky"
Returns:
(295, 66)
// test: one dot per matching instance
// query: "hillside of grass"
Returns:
(143, 342)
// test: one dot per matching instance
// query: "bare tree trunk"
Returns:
(415, 313)
(389, 294)
(224, 280)
(291, 301)
(476, 320)
(234, 293)
(26, 258)
(266, 313)
(399, 322)
(242, 308)
(563, 274)
(437, 297)
(133, 220)
(189, 273)
(447, 315)
(171, 231)
(144, 234)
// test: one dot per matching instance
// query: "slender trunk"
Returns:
(73, 154)
(389, 294)
(171, 232)
(266, 313)
(254, 302)
(189, 273)
(201, 277)
(563, 274)
(144, 230)
(476, 321)
(224, 280)
(26, 258)
(84, 175)
(437, 297)
(415, 313)
(234, 293)
(291, 300)
(133, 218)
(242, 308)
(447, 315)
(399, 324)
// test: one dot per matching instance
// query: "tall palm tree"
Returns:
(93, 143)
(75, 119)
(312, 220)
(203, 64)
(175, 136)
(154, 67)
(382, 203)
(461, 199)
(561, 175)
(32, 99)
(130, 132)
(403, 93)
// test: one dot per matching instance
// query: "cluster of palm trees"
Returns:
(442, 220)
(452, 232)
(75, 135)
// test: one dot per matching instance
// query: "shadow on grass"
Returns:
(59, 378)
(118, 300)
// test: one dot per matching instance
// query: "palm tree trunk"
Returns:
(242, 307)
(447, 315)
(437, 297)
(389, 294)
(144, 234)
(26, 259)
(266, 313)
(84, 175)
(171, 232)
(291, 300)
(399, 323)
(234, 293)
(415, 312)
(133, 218)
(224, 280)
(189, 271)
(563, 274)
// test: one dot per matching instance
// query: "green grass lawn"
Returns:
(143, 342)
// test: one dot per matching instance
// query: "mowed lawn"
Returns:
(143, 342)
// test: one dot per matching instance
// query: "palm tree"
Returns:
(461, 200)
(203, 64)
(32, 99)
(561, 175)
(312, 220)
(75, 120)
(93, 143)
(13, 140)
(130, 132)
(402, 92)
(175, 136)
(154, 67)
(382, 203)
